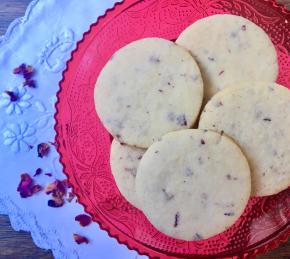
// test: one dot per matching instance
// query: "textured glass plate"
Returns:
(84, 144)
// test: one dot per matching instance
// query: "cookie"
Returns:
(193, 184)
(148, 88)
(230, 49)
(124, 162)
(257, 118)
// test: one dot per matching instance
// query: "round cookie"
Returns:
(148, 88)
(257, 118)
(230, 49)
(124, 162)
(193, 184)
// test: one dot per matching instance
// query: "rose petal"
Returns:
(57, 188)
(83, 219)
(36, 188)
(70, 197)
(28, 72)
(55, 203)
(80, 239)
(25, 185)
(66, 183)
(50, 187)
(25, 193)
(13, 96)
(37, 172)
(42, 150)
(60, 189)
(25, 182)
(20, 69)
(29, 83)
(29, 69)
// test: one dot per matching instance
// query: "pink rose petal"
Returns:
(42, 149)
(37, 172)
(83, 219)
(80, 239)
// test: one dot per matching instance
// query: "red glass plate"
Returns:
(84, 144)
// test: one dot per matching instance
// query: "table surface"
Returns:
(19, 245)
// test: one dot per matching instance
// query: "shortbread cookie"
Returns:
(230, 49)
(148, 88)
(257, 118)
(124, 162)
(193, 184)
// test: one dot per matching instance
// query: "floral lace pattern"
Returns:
(19, 137)
(17, 105)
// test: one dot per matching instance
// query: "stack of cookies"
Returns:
(193, 183)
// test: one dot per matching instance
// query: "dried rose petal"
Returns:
(48, 174)
(55, 203)
(37, 172)
(57, 188)
(20, 69)
(66, 183)
(60, 190)
(28, 72)
(83, 219)
(36, 188)
(50, 187)
(26, 188)
(23, 69)
(13, 97)
(70, 197)
(80, 239)
(30, 83)
(42, 149)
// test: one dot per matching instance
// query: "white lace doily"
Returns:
(44, 38)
